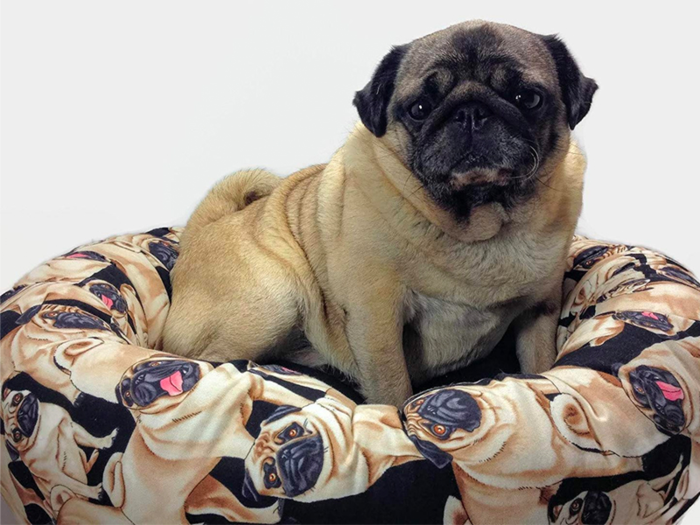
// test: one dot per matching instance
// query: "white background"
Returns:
(118, 116)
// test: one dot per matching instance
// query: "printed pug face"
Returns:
(658, 394)
(288, 455)
(447, 421)
(159, 382)
(309, 454)
(20, 410)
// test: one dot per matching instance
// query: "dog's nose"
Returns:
(473, 115)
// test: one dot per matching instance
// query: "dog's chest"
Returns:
(440, 335)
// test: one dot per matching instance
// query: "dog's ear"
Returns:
(372, 101)
(12, 452)
(576, 88)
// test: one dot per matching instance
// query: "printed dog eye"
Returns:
(16, 399)
(575, 507)
(272, 479)
(293, 431)
(16, 435)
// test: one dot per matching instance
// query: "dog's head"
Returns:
(157, 383)
(20, 418)
(587, 508)
(659, 394)
(477, 111)
(109, 295)
(442, 421)
(307, 454)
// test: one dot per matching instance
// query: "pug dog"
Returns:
(49, 443)
(444, 218)
(325, 450)
(488, 433)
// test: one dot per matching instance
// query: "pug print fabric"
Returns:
(101, 426)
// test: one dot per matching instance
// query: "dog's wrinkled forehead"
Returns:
(491, 54)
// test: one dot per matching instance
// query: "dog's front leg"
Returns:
(84, 438)
(536, 336)
(78, 487)
(374, 330)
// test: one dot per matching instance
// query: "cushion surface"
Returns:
(101, 426)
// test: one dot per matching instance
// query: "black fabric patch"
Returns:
(240, 364)
(415, 492)
(311, 394)
(36, 515)
(260, 412)
(329, 375)
(8, 322)
(614, 352)
(28, 314)
(230, 473)
(21, 473)
(165, 278)
(159, 232)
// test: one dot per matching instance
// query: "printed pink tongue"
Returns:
(672, 393)
(77, 256)
(172, 384)
(107, 301)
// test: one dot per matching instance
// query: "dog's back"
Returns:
(229, 195)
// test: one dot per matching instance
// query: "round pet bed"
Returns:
(101, 426)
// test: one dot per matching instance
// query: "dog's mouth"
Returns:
(462, 178)
(670, 392)
(172, 384)
(157, 379)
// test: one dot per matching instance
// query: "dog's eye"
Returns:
(420, 110)
(293, 431)
(16, 435)
(16, 399)
(575, 507)
(638, 389)
(439, 430)
(528, 99)
(272, 479)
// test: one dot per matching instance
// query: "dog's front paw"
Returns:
(108, 441)
(96, 492)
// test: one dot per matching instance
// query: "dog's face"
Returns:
(20, 415)
(288, 455)
(477, 110)
(158, 383)
(308, 454)
(445, 421)
(660, 395)
(587, 508)
(109, 295)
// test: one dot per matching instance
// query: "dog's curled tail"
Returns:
(231, 194)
